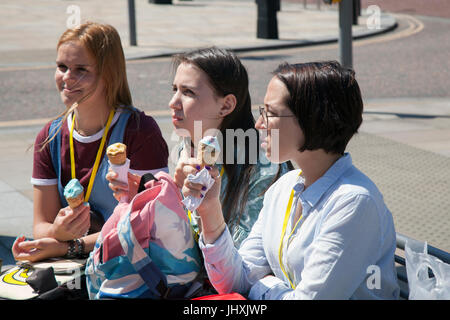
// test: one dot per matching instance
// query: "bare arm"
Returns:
(52, 221)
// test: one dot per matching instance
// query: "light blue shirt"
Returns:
(342, 248)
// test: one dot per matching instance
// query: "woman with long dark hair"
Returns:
(246, 173)
(210, 94)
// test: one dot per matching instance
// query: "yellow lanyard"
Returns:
(283, 232)
(97, 159)
(190, 213)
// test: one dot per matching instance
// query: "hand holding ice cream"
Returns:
(117, 155)
(207, 153)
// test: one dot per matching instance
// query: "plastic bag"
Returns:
(422, 285)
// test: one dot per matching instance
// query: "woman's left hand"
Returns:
(40, 249)
(194, 189)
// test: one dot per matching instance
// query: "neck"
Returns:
(314, 164)
(89, 121)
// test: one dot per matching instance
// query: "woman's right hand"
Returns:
(36, 250)
(71, 223)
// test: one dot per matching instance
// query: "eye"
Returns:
(188, 92)
(174, 88)
(62, 67)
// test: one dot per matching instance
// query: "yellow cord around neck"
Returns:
(283, 233)
(97, 158)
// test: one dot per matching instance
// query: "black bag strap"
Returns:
(144, 179)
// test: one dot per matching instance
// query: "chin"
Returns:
(181, 132)
(276, 158)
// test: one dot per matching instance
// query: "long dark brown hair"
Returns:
(227, 75)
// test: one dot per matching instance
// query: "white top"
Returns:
(342, 248)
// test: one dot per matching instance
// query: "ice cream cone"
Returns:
(117, 153)
(74, 193)
(75, 202)
(208, 151)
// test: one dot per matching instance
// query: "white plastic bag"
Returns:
(421, 286)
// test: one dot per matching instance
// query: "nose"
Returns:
(68, 75)
(260, 123)
(175, 102)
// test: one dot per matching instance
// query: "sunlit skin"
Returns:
(279, 147)
(194, 99)
(77, 80)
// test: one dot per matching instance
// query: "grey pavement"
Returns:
(164, 29)
(402, 146)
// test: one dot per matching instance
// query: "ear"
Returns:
(229, 103)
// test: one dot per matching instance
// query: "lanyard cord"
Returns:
(97, 158)
(283, 232)
(196, 234)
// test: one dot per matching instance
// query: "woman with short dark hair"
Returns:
(323, 228)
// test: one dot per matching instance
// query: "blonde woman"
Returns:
(91, 79)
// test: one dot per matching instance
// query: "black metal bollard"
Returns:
(267, 24)
(356, 11)
(160, 1)
(132, 22)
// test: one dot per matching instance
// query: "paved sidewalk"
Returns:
(164, 29)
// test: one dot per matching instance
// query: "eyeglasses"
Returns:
(265, 116)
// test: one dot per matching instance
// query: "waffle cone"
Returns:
(207, 155)
(75, 202)
(117, 153)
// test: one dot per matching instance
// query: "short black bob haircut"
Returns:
(326, 100)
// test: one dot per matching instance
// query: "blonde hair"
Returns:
(103, 42)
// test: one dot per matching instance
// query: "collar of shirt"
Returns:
(314, 192)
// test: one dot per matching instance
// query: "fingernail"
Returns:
(203, 188)
(201, 196)
(208, 167)
(197, 167)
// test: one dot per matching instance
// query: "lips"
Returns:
(71, 91)
(176, 118)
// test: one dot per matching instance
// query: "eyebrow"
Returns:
(77, 65)
(185, 86)
(268, 106)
